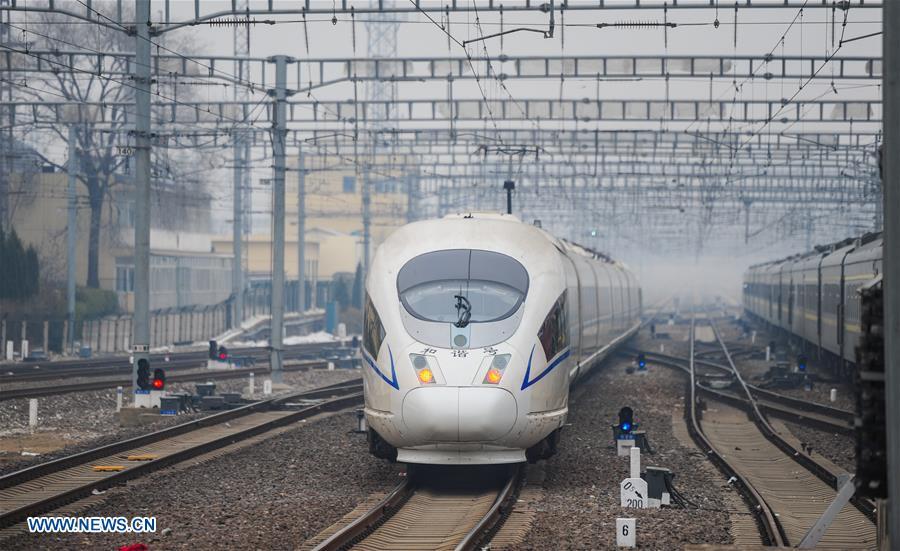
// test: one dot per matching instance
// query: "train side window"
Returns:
(554, 332)
(373, 330)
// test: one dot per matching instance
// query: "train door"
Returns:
(780, 295)
(790, 301)
(598, 317)
(819, 290)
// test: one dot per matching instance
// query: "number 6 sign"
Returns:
(625, 532)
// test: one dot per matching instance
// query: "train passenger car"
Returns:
(475, 328)
(815, 297)
(862, 265)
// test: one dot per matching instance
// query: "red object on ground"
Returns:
(135, 547)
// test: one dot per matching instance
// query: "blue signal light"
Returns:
(626, 427)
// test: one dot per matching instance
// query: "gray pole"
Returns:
(71, 239)
(746, 221)
(891, 186)
(366, 217)
(301, 232)
(410, 196)
(279, 134)
(509, 186)
(141, 327)
(237, 235)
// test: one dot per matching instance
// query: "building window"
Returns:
(349, 184)
(124, 279)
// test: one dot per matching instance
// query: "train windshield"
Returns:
(452, 285)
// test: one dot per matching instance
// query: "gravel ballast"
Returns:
(278, 493)
(581, 501)
(840, 449)
(68, 423)
(272, 495)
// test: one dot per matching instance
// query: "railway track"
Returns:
(788, 501)
(210, 375)
(432, 509)
(48, 486)
(813, 414)
(121, 365)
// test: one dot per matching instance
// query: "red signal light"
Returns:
(158, 384)
(223, 356)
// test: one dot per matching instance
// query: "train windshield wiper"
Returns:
(463, 311)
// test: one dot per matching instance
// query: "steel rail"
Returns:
(865, 506)
(37, 371)
(370, 520)
(54, 390)
(493, 520)
(347, 395)
(813, 414)
(390, 505)
(770, 529)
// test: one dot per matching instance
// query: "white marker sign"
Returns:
(634, 493)
(625, 532)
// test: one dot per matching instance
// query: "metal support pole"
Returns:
(891, 187)
(366, 217)
(279, 134)
(412, 184)
(301, 232)
(71, 238)
(808, 231)
(509, 186)
(746, 222)
(237, 234)
(141, 329)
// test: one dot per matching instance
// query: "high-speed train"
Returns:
(814, 296)
(475, 327)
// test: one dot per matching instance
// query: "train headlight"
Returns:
(425, 376)
(495, 371)
(424, 370)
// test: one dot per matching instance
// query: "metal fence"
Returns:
(167, 326)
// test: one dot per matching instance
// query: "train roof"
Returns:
(562, 244)
(859, 241)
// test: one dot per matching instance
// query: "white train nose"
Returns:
(459, 414)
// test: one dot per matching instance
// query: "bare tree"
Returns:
(103, 147)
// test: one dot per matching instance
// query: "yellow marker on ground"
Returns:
(145, 457)
(108, 468)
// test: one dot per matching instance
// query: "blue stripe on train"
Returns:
(526, 382)
(393, 380)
